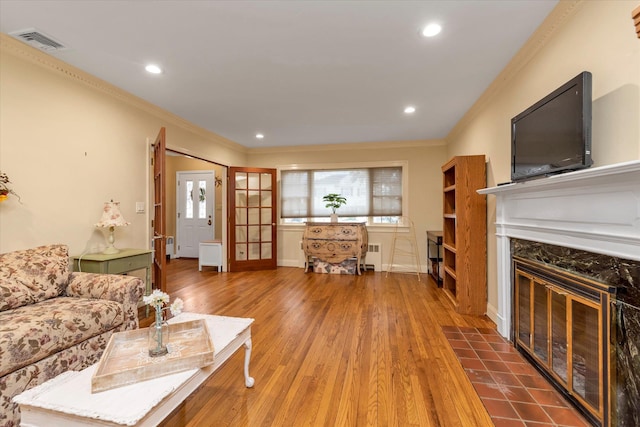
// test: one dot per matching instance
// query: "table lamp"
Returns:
(111, 218)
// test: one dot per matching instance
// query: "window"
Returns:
(372, 193)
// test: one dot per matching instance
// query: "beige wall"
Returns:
(597, 36)
(425, 186)
(70, 142)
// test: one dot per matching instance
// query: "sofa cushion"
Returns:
(33, 332)
(33, 275)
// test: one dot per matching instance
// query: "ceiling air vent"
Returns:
(38, 39)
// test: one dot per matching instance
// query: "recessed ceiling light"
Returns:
(153, 69)
(259, 135)
(431, 30)
(410, 109)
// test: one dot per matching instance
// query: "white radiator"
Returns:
(374, 256)
(169, 252)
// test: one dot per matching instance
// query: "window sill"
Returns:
(375, 228)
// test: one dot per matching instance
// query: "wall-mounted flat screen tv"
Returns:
(554, 134)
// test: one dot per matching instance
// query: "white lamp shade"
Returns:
(111, 216)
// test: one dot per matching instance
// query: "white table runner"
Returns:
(70, 392)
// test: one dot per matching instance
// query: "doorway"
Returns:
(179, 162)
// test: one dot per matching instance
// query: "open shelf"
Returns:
(465, 234)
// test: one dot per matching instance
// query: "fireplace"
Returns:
(571, 245)
(571, 321)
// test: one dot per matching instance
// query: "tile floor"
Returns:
(514, 393)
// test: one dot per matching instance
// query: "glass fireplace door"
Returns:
(562, 332)
(586, 355)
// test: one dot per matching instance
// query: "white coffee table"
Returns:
(67, 399)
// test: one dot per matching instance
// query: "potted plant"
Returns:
(334, 201)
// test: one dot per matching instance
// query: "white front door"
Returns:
(195, 201)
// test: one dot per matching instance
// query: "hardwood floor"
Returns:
(330, 350)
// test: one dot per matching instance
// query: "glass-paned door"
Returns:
(586, 356)
(559, 334)
(252, 219)
(523, 306)
(540, 321)
(159, 212)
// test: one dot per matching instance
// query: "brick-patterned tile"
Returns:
(547, 397)
(500, 408)
(565, 416)
(514, 393)
(531, 412)
(471, 363)
(459, 343)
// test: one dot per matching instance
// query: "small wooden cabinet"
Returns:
(464, 235)
(334, 242)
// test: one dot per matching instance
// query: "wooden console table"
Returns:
(125, 261)
(334, 242)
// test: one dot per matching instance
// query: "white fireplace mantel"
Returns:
(596, 210)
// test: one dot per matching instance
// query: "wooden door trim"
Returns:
(159, 211)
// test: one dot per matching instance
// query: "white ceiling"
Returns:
(300, 72)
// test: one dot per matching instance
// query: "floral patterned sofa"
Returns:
(53, 320)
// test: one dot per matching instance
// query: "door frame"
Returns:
(223, 197)
(158, 223)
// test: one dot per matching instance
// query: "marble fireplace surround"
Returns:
(595, 210)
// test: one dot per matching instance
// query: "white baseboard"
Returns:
(289, 263)
(492, 313)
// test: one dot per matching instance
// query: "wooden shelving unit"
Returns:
(465, 234)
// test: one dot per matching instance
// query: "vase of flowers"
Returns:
(159, 330)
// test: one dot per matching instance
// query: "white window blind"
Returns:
(369, 191)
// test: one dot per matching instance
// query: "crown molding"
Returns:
(23, 51)
(349, 146)
(564, 10)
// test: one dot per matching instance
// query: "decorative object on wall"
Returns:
(334, 201)
(4, 188)
(635, 15)
(111, 218)
(218, 181)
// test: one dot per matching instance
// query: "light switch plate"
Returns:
(139, 207)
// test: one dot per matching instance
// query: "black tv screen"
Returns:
(553, 135)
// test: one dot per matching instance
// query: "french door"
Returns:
(159, 215)
(252, 219)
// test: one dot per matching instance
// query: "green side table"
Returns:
(125, 261)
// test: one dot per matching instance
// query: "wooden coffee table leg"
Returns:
(248, 381)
